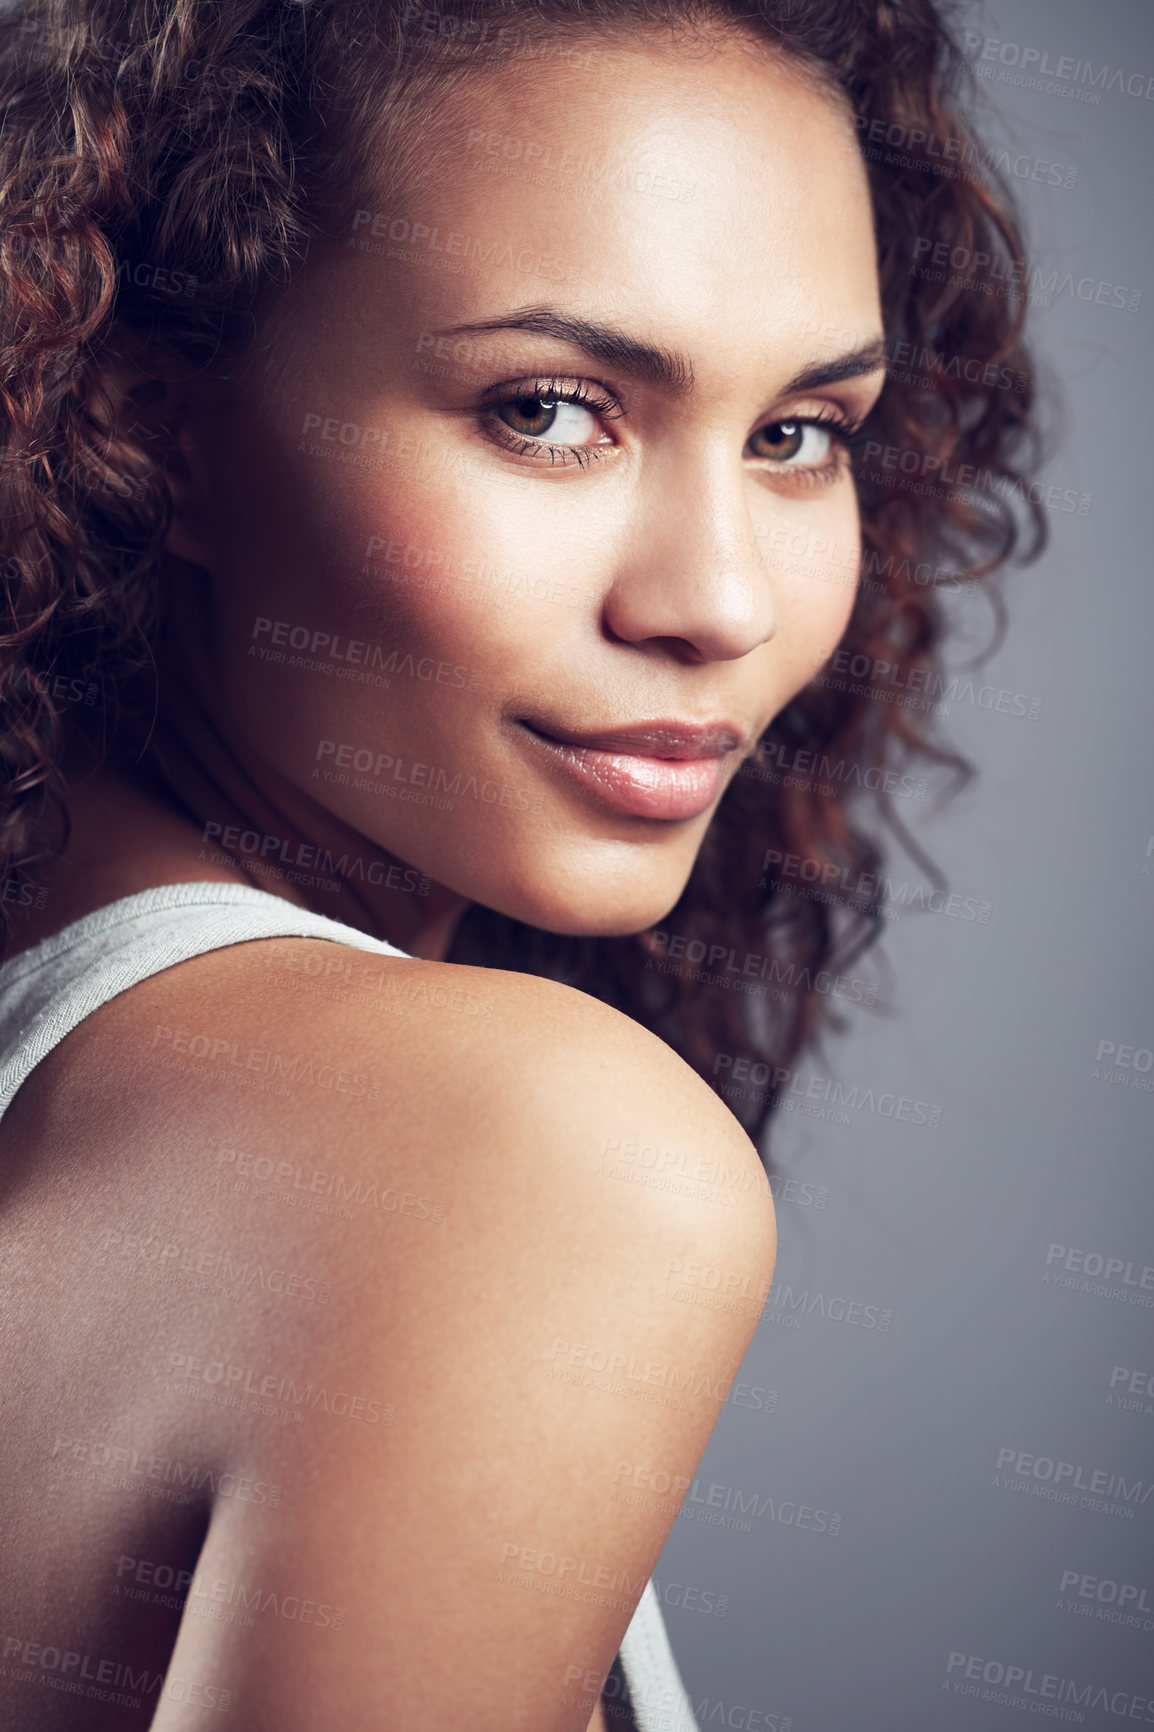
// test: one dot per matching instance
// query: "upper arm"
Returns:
(518, 1325)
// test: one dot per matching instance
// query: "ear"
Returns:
(150, 406)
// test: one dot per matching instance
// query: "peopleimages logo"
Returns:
(323, 647)
(1021, 1687)
(1132, 1391)
(1124, 1066)
(731, 1507)
(721, 959)
(816, 1096)
(952, 155)
(825, 880)
(98, 1455)
(283, 851)
(1094, 1272)
(992, 274)
(483, 252)
(238, 1380)
(836, 1308)
(105, 1680)
(1043, 1476)
(1124, 1603)
(146, 1575)
(1070, 72)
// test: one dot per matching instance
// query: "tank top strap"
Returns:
(48, 990)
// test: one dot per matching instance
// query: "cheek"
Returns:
(816, 580)
(326, 542)
(458, 571)
(379, 607)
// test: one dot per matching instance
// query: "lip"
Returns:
(666, 769)
(657, 739)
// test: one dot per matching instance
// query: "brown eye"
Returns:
(548, 418)
(781, 440)
(531, 417)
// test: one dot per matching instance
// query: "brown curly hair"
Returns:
(164, 165)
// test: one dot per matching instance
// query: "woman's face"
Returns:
(430, 567)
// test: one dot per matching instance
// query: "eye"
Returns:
(568, 423)
(549, 419)
(814, 442)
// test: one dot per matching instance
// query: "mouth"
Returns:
(671, 770)
(661, 739)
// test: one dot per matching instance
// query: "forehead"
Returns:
(710, 191)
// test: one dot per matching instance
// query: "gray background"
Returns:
(999, 1024)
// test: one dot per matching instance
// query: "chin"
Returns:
(594, 910)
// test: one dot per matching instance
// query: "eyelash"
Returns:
(557, 391)
(846, 432)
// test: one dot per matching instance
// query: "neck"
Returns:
(196, 804)
(245, 819)
(249, 821)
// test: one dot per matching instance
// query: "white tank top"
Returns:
(46, 991)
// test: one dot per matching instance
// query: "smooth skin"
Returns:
(674, 570)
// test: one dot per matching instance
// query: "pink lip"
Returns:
(657, 739)
(671, 770)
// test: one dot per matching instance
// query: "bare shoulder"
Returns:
(338, 1113)
(656, 1134)
(284, 1040)
(444, 1263)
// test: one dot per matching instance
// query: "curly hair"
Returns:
(164, 165)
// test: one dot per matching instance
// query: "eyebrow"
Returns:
(654, 364)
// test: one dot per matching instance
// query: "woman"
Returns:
(440, 449)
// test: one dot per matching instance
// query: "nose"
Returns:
(691, 575)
